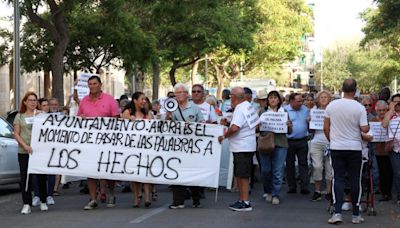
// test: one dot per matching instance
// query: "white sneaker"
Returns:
(346, 206)
(268, 197)
(50, 200)
(35, 201)
(275, 200)
(43, 207)
(26, 209)
(335, 219)
(357, 219)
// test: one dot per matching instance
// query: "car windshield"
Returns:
(6, 129)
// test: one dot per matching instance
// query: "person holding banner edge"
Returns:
(272, 165)
(242, 143)
(187, 112)
(22, 133)
(98, 104)
(136, 110)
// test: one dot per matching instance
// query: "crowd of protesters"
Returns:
(327, 158)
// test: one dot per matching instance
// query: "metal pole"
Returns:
(395, 85)
(322, 71)
(205, 72)
(16, 61)
(241, 71)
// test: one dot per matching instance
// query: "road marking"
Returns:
(5, 201)
(150, 214)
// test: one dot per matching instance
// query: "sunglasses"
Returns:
(368, 105)
(197, 91)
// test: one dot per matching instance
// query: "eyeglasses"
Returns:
(367, 105)
(31, 100)
(197, 91)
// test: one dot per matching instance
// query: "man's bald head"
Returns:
(238, 92)
(349, 86)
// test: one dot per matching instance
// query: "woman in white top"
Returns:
(319, 159)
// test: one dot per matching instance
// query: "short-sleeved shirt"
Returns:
(346, 116)
(226, 105)
(104, 106)
(25, 127)
(299, 122)
(208, 112)
(245, 139)
(191, 113)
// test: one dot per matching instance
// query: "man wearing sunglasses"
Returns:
(367, 103)
(198, 97)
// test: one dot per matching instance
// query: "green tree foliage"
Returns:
(371, 66)
(5, 46)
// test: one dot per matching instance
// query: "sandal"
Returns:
(154, 196)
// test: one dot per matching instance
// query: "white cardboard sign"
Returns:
(379, 133)
(317, 119)
(274, 121)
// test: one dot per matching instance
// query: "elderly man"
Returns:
(298, 145)
(98, 104)
(242, 143)
(345, 120)
(205, 108)
(367, 103)
(187, 112)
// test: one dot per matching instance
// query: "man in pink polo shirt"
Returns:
(98, 104)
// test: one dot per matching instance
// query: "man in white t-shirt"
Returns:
(242, 143)
(345, 120)
(206, 109)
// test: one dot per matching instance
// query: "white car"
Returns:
(9, 167)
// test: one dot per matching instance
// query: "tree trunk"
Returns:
(172, 74)
(139, 81)
(57, 70)
(195, 68)
(156, 79)
(220, 80)
(46, 84)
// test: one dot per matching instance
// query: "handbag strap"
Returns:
(184, 117)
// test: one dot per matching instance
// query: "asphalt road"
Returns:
(294, 211)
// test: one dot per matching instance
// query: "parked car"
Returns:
(9, 167)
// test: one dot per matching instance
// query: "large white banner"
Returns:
(317, 119)
(274, 121)
(394, 129)
(149, 151)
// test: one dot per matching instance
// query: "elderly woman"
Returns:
(382, 156)
(394, 113)
(318, 146)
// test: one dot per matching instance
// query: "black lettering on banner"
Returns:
(208, 148)
(140, 124)
(49, 119)
(140, 165)
(200, 130)
(130, 140)
(188, 129)
(173, 170)
(100, 162)
(126, 162)
(197, 146)
(63, 159)
(43, 133)
(116, 154)
(161, 165)
(87, 137)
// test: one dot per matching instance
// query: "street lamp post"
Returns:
(16, 62)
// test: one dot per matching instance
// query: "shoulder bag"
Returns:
(389, 145)
(266, 143)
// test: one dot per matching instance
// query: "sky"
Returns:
(338, 20)
(334, 19)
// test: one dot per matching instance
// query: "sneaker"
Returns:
(196, 204)
(346, 206)
(241, 206)
(335, 219)
(268, 198)
(91, 205)
(50, 200)
(176, 206)
(43, 207)
(35, 201)
(111, 202)
(316, 197)
(275, 200)
(357, 219)
(26, 209)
